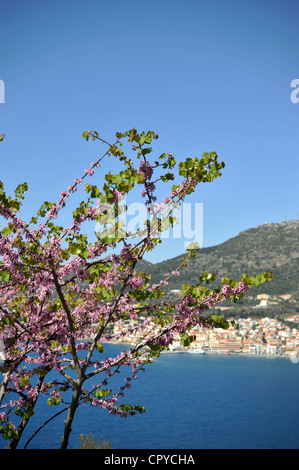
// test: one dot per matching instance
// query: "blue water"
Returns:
(194, 402)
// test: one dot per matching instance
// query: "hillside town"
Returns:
(252, 336)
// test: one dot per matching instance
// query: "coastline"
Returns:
(211, 353)
(233, 354)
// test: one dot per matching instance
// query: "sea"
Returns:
(192, 401)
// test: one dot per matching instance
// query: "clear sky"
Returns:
(204, 74)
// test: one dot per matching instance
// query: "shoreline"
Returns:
(214, 353)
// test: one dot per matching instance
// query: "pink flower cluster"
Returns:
(147, 169)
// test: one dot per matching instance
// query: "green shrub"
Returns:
(88, 442)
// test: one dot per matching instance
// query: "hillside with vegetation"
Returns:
(267, 247)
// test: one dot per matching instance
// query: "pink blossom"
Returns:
(146, 169)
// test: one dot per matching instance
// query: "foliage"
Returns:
(62, 295)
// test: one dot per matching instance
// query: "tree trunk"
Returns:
(70, 416)
(4, 385)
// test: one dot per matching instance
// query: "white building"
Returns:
(271, 349)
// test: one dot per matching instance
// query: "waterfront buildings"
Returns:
(253, 336)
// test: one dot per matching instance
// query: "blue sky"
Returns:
(206, 75)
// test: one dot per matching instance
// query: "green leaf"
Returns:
(193, 246)
(100, 347)
(220, 322)
(95, 193)
(54, 344)
(6, 231)
(4, 276)
(33, 220)
(84, 254)
(54, 401)
(116, 179)
(233, 283)
(199, 292)
(167, 177)
(94, 270)
(87, 187)
(207, 277)
(102, 393)
(75, 249)
(25, 380)
(105, 238)
(186, 340)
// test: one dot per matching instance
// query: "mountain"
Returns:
(267, 247)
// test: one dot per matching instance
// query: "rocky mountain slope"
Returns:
(268, 247)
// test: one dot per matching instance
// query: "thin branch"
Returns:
(44, 424)
(70, 321)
